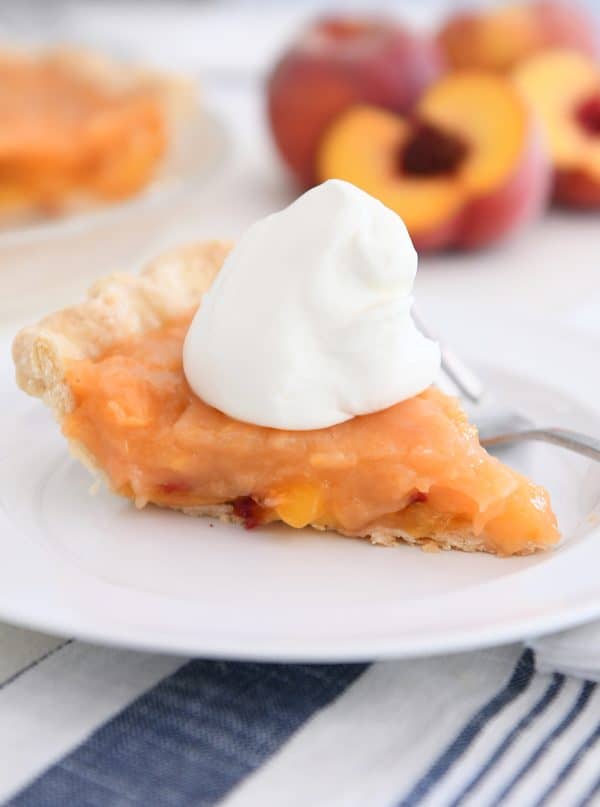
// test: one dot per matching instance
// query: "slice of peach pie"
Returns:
(77, 128)
(111, 370)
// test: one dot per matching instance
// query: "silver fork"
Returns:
(498, 424)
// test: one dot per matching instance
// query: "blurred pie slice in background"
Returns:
(80, 128)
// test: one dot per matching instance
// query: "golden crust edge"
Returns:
(117, 307)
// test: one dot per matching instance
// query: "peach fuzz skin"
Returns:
(499, 38)
(497, 178)
(338, 62)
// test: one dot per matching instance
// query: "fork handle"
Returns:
(565, 438)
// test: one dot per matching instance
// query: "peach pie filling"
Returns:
(417, 466)
(62, 133)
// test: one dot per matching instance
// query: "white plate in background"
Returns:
(93, 567)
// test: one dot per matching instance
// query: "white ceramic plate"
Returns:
(93, 567)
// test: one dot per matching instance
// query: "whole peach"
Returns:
(500, 38)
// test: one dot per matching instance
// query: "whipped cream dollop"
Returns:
(308, 323)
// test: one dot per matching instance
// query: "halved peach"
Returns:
(499, 38)
(564, 89)
(336, 62)
(467, 169)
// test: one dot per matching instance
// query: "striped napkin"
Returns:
(89, 726)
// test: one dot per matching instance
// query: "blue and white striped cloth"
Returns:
(91, 727)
